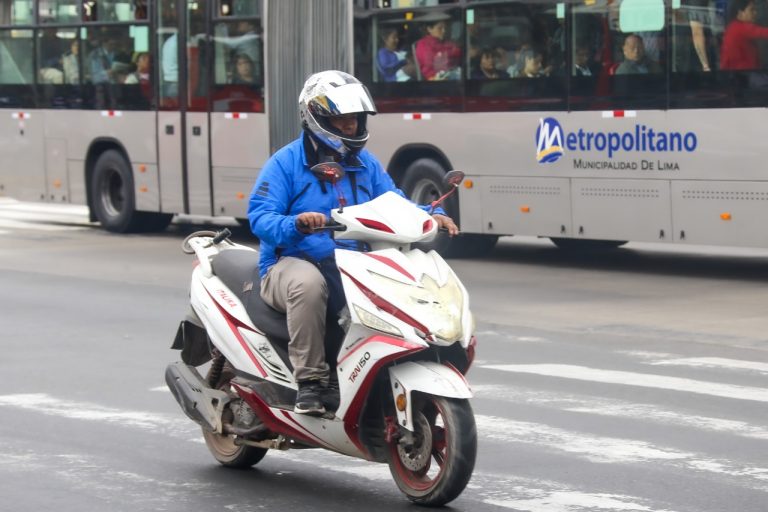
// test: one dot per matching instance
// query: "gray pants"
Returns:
(297, 288)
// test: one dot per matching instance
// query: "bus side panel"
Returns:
(617, 209)
(720, 212)
(22, 168)
(74, 133)
(56, 169)
(522, 206)
(170, 162)
(240, 146)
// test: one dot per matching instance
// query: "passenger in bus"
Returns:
(389, 59)
(70, 65)
(486, 69)
(170, 67)
(529, 65)
(739, 50)
(243, 72)
(298, 272)
(141, 74)
(635, 60)
(582, 63)
(247, 41)
(100, 61)
(437, 58)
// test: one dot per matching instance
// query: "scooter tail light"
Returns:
(374, 224)
(427, 226)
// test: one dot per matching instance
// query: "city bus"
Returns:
(591, 122)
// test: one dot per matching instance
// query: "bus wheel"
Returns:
(423, 183)
(112, 194)
(577, 244)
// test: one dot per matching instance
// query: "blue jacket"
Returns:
(286, 187)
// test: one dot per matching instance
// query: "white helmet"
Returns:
(334, 93)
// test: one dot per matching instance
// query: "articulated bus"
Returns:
(590, 122)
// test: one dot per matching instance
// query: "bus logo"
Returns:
(549, 141)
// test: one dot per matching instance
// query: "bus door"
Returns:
(183, 127)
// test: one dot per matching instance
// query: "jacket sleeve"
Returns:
(267, 207)
(382, 182)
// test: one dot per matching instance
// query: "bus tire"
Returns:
(112, 193)
(423, 183)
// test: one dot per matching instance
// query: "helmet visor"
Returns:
(349, 98)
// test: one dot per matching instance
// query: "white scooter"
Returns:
(402, 347)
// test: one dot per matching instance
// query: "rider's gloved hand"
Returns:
(308, 221)
(445, 222)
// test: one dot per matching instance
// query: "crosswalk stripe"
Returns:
(715, 362)
(624, 378)
(619, 409)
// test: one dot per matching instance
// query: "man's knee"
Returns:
(308, 284)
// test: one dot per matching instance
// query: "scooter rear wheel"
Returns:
(436, 467)
(223, 447)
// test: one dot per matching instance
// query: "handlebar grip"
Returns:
(221, 236)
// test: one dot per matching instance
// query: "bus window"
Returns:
(16, 74)
(238, 71)
(117, 67)
(19, 12)
(516, 57)
(412, 59)
(239, 8)
(58, 68)
(58, 11)
(612, 69)
(114, 10)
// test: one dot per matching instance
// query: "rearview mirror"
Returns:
(453, 178)
(330, 172)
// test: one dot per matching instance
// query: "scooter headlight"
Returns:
(439, 308)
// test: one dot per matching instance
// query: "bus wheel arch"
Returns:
(420, 176)
(111, 193)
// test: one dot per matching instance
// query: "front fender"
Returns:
(426, 377)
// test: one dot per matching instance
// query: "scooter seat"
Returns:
(238, 269)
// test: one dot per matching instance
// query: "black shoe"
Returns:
(330, 394)
(308, 399)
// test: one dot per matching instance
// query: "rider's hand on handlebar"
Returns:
(446, 223)
(307, 222)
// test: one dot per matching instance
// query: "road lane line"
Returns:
(714, 362)
(645, 380)
(619, 409)
(614, 450)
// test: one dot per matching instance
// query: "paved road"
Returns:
(636, 381)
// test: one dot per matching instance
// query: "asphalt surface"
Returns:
(635, 380)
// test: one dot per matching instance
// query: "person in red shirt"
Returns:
(739, 51)
(438, 59)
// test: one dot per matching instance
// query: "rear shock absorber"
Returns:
(216, 368)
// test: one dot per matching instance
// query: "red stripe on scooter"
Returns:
(390, 262)
(383, 339)
(317, 439)
(234, 324)
(271, 421)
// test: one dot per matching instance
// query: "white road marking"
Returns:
(715, 362)
(508, 337)
(613, 450)
(645, 380)
(594, 448)
(17, 225)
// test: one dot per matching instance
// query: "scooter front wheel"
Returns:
(434, 464)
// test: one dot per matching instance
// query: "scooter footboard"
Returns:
(425, 377)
